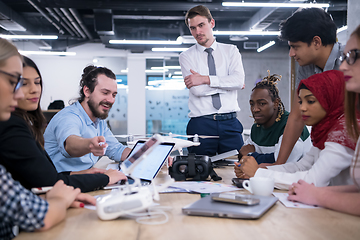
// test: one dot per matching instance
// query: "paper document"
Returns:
(113, 166)
(283, 199)
(224, 155)
(204, 187)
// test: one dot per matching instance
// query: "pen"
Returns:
(41, 190)
(102, 143)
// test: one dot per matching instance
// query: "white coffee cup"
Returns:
(259, 186)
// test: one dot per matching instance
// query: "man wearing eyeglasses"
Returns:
(311, 35)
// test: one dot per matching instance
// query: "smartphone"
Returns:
(238, 182)
(248, 200)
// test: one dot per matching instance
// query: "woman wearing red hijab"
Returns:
(341, 198)
(321, 99)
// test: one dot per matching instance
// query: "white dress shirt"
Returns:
(230, 77)
(330, 166)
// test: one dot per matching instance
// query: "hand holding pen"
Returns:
(98, 145)
(239, 170)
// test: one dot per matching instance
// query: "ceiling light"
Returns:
(248, 33)
(343, 28)
(26, 53)
(278, 5)
(238, 38)
(169, 49)
(269, 44)
(29, 36)
(186, 39)
(166, 67)
(178, 72)
(155, 42)
(156, 71)
(46, 48)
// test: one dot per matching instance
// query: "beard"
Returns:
(204, 41)
(94, 108)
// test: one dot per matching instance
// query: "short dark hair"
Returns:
(307, 23)
(89, 78)
(198, 10)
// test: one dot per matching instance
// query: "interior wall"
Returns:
(61, 75)
(256, 65)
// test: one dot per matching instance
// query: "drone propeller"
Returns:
(133, 135)
(193, 136)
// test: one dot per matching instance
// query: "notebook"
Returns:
(209, 208)
(147, 170)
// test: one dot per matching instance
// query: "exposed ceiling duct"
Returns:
(82, 21)
(104, 22)
(57, 17)
(61, 31)
(64, 19)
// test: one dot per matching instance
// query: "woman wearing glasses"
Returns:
(341, 198)
(32, 167)
(19, 208)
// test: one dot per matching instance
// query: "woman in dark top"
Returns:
(21, 144)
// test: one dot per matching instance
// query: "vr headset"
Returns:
(192, 168)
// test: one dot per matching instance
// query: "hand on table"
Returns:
(303, 192)
(68, 195)
(115, 176)
(238, 172)
(83, 199)
(248, 166)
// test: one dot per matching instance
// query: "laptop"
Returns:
(147, 170)
(210, 208)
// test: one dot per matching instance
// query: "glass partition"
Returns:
(166, 97)
(117, 119)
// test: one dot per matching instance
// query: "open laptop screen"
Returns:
(150, 166)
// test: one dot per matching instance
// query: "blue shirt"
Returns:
(73, 120)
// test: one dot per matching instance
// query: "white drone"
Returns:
(132, 198)
(173, 138)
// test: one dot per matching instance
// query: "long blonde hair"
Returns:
(7, 50)
(352, 103)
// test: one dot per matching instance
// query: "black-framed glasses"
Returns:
(19, 79)
(350, 57)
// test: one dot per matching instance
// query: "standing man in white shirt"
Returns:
(213, 72)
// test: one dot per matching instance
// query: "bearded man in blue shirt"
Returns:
(78, 135)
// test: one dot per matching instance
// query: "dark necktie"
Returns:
(212, 72)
